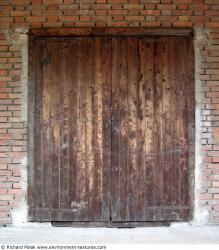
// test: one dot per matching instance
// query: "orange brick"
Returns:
(20, 13)
(52, 18)
(3, 72)
(150, 12)
(117, 12)
(69, 18)
(20, 2)
(36, 19)
(133, 6)
(52, 2)
(183, 24)
(150, 24)
(117, 1)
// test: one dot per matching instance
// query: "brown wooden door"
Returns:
(151, 115)
(72, 130)
(111, 129)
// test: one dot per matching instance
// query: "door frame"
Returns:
(71, 32)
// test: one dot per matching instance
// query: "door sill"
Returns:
(111, 224)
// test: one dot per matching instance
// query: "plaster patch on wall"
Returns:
(19, 214)
(201, 215)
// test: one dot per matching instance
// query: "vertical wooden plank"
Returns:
(89, 127)
(157, 102)
(144, 64)
(45, 130)
(166, 80)
(37, 189)
(147, 74)
(53, 123)
(158, 133)
(73, 139)
(98, 126)
(174, 109)
(159, 62)
(132, 59)
(106, 119)
(123, 137)
(65, 80)
(170, 109)
(81, 123)
(115, 177)
(140, 136)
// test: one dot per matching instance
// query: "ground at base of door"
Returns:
(147, 235)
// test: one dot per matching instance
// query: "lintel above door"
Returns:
(111, 31)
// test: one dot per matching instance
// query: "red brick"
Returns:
(101, 6)
(150, 12)
(5, 78)
(52, 2)
(38, 2)
(133, 6)
(16, 185)
(101, 1)
(19, 2)
(53, 24)
(3, 96)
(14, 191)
(134, 18)
(211, 1)
(3, 60)
(183, 24)
(117, 1)
(212, 24)
(166, 6)
(117, 12)
(6, 197)
(215, 183)
(5, 221)
(97, 12)
(3, 72)
(216, 196)
(69, 18)
(150, 24)
(36, 19)
(20, 13)
(52, 18)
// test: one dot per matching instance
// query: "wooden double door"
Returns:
(111, 129)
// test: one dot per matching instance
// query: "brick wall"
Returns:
(104, 13)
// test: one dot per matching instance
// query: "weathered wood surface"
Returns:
(111, 129)
(111, 31)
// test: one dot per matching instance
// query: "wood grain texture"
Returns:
(111, 31)
(112, 129)
(72, 109)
